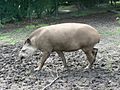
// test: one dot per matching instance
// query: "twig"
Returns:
(51, 83)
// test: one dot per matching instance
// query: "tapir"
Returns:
(64, 37)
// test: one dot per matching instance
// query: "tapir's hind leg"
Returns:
(91, 54)
(61, 54)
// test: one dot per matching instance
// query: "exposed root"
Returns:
(45, 88)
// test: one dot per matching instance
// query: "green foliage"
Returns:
(15, 10)
(12, 10)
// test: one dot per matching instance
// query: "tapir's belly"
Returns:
(66, 47)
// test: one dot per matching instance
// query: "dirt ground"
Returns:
(20, 75)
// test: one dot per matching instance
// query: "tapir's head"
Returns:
(27, 49)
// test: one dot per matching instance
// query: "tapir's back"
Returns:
(70, 30)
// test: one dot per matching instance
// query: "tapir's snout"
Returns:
(21, 57)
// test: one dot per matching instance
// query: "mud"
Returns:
(20, 75)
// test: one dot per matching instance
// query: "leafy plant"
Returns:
(1, 25)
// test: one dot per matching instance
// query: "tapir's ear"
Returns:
(28, 41)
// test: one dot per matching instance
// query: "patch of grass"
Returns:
(86, 12)
(7, 39)
(93, 10)
(19, 34)
(110, 33)
(116, 43)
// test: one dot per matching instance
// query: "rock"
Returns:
(14, 87)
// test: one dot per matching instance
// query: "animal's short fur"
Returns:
(64, 37)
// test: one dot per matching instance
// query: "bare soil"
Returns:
(20, 75)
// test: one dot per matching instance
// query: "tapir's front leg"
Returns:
(42, 61)
(94, 52)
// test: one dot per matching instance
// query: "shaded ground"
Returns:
(18, 75)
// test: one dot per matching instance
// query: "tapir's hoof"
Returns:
(87, 67)
(65, 68)
(37, 69)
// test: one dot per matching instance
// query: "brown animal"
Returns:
(62, 37)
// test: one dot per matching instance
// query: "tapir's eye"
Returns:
(23, 50)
